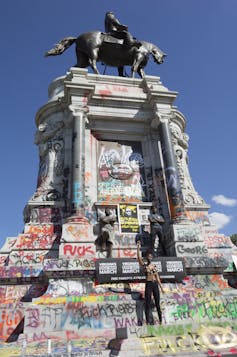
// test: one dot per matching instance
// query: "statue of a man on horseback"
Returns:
(114, 28)
(115, 47)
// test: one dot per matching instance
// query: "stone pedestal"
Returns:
(120, 144)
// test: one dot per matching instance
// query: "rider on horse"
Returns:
(114, 28)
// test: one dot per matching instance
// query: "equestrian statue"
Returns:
(115, 47)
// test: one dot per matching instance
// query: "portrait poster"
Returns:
(128, 218)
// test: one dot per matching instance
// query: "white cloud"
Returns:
(222, 200)
(220, 220)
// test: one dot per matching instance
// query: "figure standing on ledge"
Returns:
(156, 221)
(117, 30)
(106, 238)
(152, 282)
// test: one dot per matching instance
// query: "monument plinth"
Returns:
(110, 148)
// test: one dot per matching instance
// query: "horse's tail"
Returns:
(61, 46)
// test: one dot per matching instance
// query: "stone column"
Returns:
(171, 173)
(78, 164)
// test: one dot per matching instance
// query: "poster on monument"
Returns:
(112, 270)
(128, 218)
(120, 172)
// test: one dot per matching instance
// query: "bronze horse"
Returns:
(96, 46)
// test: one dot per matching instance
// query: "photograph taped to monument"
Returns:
(143, 214)
(128, 270)
(128, 218)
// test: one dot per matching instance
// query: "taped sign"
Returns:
(128, 218)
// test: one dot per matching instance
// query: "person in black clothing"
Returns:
(156, 222)
(152, 283)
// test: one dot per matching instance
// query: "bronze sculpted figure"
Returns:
(106, 238)
(156, 222)
(97, 46)
(117, 30)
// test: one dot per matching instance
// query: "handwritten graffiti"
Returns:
(46, 318)
(3, 258)
(15, 272)
(35, 241)
(218, 241)
(204, 261)
(124, 253)
(76, 250)
(76, 232)
(204, 339)
(9, 319)
(204, 307)
(46, 215)
(191, 249)
(15, 292)
(69, 264)
(45, 229)
(187, 233)
(198, 217)
(23, 257)
(125, 322)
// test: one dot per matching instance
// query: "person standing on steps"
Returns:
(152, 285)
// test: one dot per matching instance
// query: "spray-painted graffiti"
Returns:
(217, 241)
(9, 319)
(190, 249)
(79, 250)
(73, 232)
(124, 253)
(187, 233)
(35, 241)
(198, 217)
(69, 264)
(14, 293)
(120, 172)
(14, 272)
(3, 259)
(216, 260)
(31, 257)
(45, 229)
(203, 340)
(43, 214)
(79, 315)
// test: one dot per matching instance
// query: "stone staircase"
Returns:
(51, 303)
(79, 318)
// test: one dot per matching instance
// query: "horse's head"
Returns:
(158, 55)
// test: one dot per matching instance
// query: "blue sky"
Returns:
(200, 40)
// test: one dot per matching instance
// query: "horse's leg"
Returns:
(141, 72)
(82, 60)
(120, 71)
(136, 63)
(93, 56)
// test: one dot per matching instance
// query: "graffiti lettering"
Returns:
(196, 250)
(80, 251)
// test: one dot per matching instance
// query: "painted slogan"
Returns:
(120, 172)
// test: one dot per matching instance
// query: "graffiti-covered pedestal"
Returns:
(111, 148)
